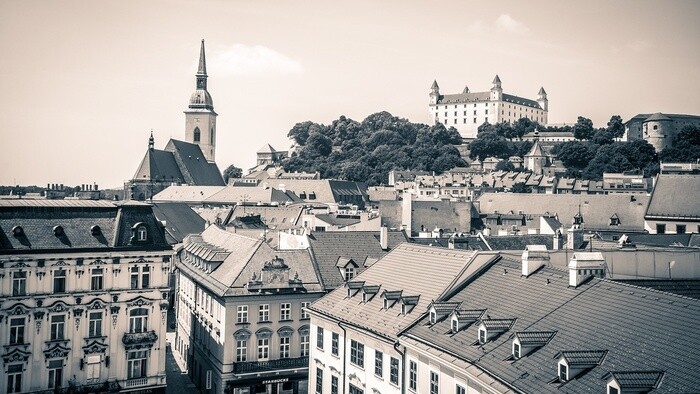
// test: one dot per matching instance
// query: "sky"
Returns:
(84, 82)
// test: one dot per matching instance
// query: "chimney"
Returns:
(384, 238)
(534, 257)
(574, 238)
(584, 265)
(557, 241)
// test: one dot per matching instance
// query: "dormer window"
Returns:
(141, 233)
(516, 350)
(368, 292)
(17, 231)
(433, 317)
(354, 287)
(455, 325)
(390, 297)
(482, 335)
(58, 231)
(632, 381)
(614, 220)
(563, 372)
(349, 272)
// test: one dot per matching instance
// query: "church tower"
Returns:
(200, 118)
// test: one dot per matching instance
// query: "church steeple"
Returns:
(151, 141)
(202, 70)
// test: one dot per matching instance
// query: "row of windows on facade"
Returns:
(680, 228)
(139, 278)
(263, 347)
(264, 312)
(137, 362)
(464, 120)
(138, 323)
(437, 107)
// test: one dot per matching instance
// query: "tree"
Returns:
(505, 165)
(488, 143)
(575, 154)
(319, 144)
(232, 172)
(603, 137)
(615, 126)
(520, 187)
(583, 129)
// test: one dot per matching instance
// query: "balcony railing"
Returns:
(263, 366)
(135, 382)
(140, 340)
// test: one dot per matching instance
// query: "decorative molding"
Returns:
(114, 320)
(96, 304)
(97, 262)
(139, 302)
(114, 309)
(141, 340)
(58, 350)
(19, 265)
(58, 306)
(19, 309)
(95, 346)
(59, 263)
(16, 355)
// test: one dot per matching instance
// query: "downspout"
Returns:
(345, 354)
(403, 365)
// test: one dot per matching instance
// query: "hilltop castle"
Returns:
(467, 111)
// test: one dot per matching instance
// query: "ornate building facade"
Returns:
(468, 110)
(83, 297)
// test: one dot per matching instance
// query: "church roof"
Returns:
(267, 148)
(194, 166)
(159, 165)
(202, 69)
(536, 150)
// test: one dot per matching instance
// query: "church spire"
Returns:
(151, 141)
(202, 70)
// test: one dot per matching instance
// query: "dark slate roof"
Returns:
(334, 220)
(675, 196)
(38, 219)
(193, 164)
(159, 165)
(657, 117)
(465, 243)
(645, 380)
(327, 247)
(520, 100)
(684, 287)
(277, 217)
(464, 98)
(584, 357)
(536, 338)
(518, 242)
(179, 220)
(639, 329)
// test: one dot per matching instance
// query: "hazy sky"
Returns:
(84, 82)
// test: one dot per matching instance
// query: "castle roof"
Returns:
(484, 97)
(657, 117)
(435, 85)
(542, 91)
(496, 79)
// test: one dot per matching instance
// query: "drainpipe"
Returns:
(345, 354)
(403, 365)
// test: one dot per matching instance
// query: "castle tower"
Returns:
(542, 100)
(496, 89)
(200, 118)
(434, 93)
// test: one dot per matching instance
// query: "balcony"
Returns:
(147, 382)
(140, 340)
(265, 366)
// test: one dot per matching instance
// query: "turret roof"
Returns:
(542, 91)
(496, 80)
(435, 85)
(202, 70)
(657, 117)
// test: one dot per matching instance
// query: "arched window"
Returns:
(196, 134)
(141, 233)
(211, 136)
(138, 320)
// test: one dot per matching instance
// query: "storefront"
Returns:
(291, 383)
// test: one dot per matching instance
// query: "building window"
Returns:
(460, 390)
(334, 384)
(17, 331)
(134, 277)
(197, 134)
(241, 350)
(474, 120)
(357, 353)
(661, 229)
(394, 370)
(19, 283)
(319, 338)
(242, 314)
(434, 383)
(284, 347)
(145, 277)
(474, 112)
(14, 378)
(58, 324)
(319, 381)
(305, 345)
(59, 281)
(95, 324)
(433, 317)
(141, 233)
(487, 112)
(334, 343)
(285, 311)
(516, 350)
(136, 364)
(138, 320)
(55, 374)
(304, 312)
(613, 390)
(96, 280)
(455, 326)
(378, 363)
(264, 313)
(349, 272)
(263, 349)
(412, 375)
(482, 336)
(355, 389)
(680, 229)
(563, 372)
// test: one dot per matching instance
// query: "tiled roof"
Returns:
(645, 380)
(498, 324)
(324, 190)
(534, 338)
(518, 242)
(641, 330)
(236, 194)
(244, 257)
(444, 307)
(159, 165)
(466, 315)
(684, 287)
(334, 220)
(675, 196)
(327, 247)
(186, 193)
(657, 117)
(179, 220)
(277, 217)
(596, 209)
(399, 271)
(584, 357)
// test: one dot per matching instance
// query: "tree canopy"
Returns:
(232, 172)
(501, 140)
(366, 151)
(685, 148)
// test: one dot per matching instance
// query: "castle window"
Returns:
(474, 120)
(656, 127)
(196, 134)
